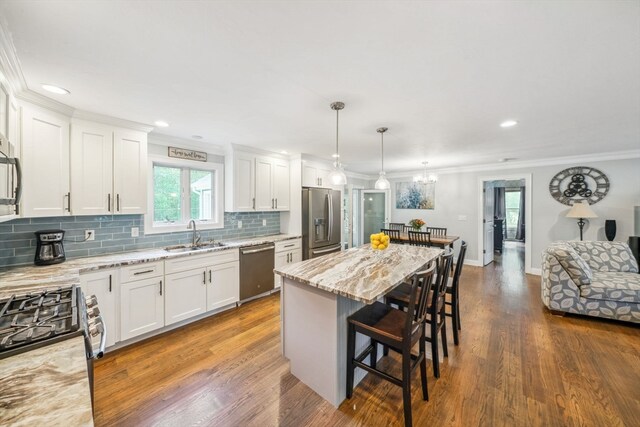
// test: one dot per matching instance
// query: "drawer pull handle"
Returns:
(288, 246)
(142, 272)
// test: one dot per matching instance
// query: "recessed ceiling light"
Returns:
(196, 136)
(161, 123)
(55, 89)
(508, 124)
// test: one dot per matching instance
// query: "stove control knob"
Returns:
(96, 329)
(91, 301)
(93, 311)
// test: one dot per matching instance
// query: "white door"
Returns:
(185, 295)
(224, 285)
(265, 201)
(45, 161)
(243, 183)
(374, 210)
(129, 171)
(141, 307)
(281, 184)
(487, 221)
(91, 169)
(104, 286)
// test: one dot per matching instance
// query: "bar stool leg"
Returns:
(423, 366)
(406, 386)
(443, 333)
(434, 347)
(351, 348)
(374, 353)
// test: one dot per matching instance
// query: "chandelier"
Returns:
(426, 178)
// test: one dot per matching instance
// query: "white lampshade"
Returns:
(382, 183)
(581, 210)
(337, 176)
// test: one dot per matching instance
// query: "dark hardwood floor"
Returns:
(517, 365)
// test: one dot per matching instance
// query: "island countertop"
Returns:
(362, 273)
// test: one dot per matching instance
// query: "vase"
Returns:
(610, 229)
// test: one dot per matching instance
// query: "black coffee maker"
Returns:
(49, 249)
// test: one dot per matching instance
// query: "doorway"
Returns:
(352, 222)
(374, 212)
(504, 226)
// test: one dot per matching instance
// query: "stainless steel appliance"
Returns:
(321, 222)
(10, 180)
(37, 319)
(49, 248)
(256, 270)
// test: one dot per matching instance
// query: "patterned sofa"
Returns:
(593, 278)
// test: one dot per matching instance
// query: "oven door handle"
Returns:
(103, 339)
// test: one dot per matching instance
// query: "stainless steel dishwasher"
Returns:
(256, 270)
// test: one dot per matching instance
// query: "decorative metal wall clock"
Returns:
(579, 183)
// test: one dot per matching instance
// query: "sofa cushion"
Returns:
(624, 287)
(573, 264)
(606, 256)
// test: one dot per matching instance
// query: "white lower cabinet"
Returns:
(186, 295)
(286, 252)
(224, 285)
(104, 285)
(141, 307)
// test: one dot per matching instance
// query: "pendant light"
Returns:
(382, 183)
(426, 178)
(337, 175)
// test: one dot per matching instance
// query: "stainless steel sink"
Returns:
(189, 248)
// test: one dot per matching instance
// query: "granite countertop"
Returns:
(52, 379)
(362, 273)
(24, 279)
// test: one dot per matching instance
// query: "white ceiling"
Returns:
(440, 75)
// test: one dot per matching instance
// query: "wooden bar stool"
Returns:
(396, 329)
(436, 318)
(453, 289)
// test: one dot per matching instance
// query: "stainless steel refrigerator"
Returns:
(321, 222)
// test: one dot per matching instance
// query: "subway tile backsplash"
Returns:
(113, 234)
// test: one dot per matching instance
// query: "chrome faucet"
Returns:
(194, 238)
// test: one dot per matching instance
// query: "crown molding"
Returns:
(245, 148)
(358, 175)
(172, 141)
(524, 164)
(9, 62)
(109, 120)
(35, 98)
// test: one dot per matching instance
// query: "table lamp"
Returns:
(581, 210)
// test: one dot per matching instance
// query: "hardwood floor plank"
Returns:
(516, 365)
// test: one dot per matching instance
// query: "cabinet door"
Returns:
(281, 258)
(91, 169)
(224, 285)
(141, 307)
(243, 183)
(265, 201)
(323, 176)
(185, 295)
(310, 176)
(296, 256)
(45, 158)
(130, 171)
(103, 284)
(281, 184)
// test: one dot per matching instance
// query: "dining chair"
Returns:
(437, 231)
(394, 235)
(436, 318)
(419, 238)
(453, 289)
(398, 226)
(395, 329)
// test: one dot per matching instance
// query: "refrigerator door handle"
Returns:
(324, 251)
(329, 217)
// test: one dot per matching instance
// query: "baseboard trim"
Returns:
(535, 271)
(473, 262)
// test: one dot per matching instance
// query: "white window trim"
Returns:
(218, 190)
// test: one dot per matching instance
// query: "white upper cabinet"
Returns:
(108, 169)
(130, 171)
(256, 183)
(45, 159)
(315, 175)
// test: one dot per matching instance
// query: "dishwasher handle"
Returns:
(255, 251)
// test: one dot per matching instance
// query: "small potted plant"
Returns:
(416, 224)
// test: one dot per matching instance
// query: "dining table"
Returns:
(437, 241)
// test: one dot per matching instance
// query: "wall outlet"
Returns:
(89, 235)
(239, 224)
(462, 217)
(264, 222)
(135, 232)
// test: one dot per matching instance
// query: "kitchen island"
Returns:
(319, 294)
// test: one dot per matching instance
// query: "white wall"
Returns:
(457, 194)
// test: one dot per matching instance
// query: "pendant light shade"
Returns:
(337, 175)
(382, 183)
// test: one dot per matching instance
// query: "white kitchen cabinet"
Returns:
(185, 295)
(224, 285)
(45, 161)
(141, 307)
(286, 252)
(256, 183)
(315, 175)
(104, 285)
(108, 169)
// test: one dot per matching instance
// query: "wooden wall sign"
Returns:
(181, 153)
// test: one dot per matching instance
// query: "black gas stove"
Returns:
(36, 319)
